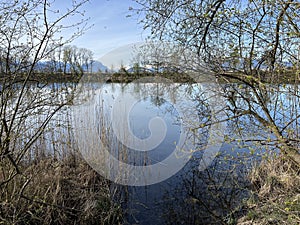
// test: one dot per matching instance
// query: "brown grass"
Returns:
(53, 191)
(276, 194)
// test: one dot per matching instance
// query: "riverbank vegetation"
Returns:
(275, 194)
(56, 191)
(125, 77)
(284, 77)
(37, 188)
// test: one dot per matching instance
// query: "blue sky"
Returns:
(111, 28)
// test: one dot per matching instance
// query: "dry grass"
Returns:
(64, 191)
(276, 194)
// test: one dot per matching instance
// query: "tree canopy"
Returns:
(250, 42)
(234, 35)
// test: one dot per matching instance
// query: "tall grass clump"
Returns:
(276, 193)
(57, 191)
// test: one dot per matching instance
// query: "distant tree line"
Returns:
(66, 59)
(70, 59)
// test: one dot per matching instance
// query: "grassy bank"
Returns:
(287, 76)
(53, 191)
(125, 77)
(276, 194)
(41, 77)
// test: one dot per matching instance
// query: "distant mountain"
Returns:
(97, 66)
(140, 69)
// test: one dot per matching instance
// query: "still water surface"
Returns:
(162, 116)
(190, 195)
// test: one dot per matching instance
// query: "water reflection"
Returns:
(190, 196)
(147, 121)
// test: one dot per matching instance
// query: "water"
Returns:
(189, 195)
(159, 135)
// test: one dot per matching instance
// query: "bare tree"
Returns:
(248, 42)
(77, 60)
(86, 58)
(29, 33)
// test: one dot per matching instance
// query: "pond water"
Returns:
(168, 148)
(119, 118)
